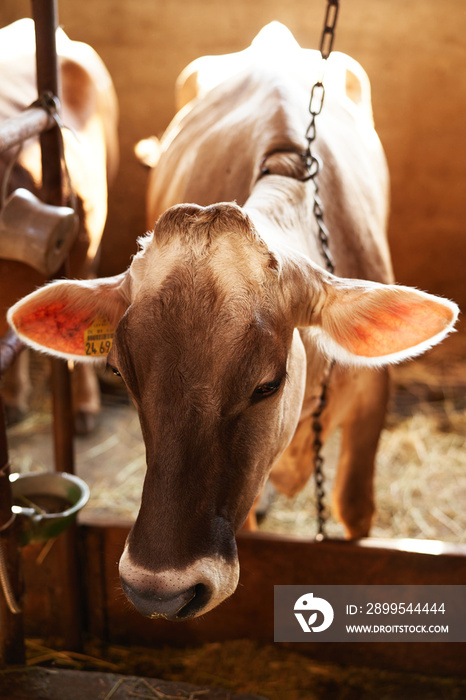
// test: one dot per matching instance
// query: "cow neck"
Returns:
(281, 210)
(278, 205)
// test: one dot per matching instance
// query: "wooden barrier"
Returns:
(266, 560)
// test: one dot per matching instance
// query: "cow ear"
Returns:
(72, 319)
(367, 323)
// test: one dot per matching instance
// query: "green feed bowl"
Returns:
(46, 503)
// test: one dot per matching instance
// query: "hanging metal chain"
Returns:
(316, 103)
(317, 445)
(314, 165)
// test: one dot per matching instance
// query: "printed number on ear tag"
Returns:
(98, 338)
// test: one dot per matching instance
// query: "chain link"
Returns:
(314, 165)
(311, 160)
(328, 34)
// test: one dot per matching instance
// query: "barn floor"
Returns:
(237, 670)
(51, 684)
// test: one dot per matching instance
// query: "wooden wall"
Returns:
(414, 53)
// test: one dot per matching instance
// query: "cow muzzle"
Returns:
(179, 594)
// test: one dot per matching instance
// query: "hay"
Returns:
(37, 652)
(420, 485)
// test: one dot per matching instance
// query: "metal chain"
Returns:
(314, 165)
(317, 445)
(311, 161)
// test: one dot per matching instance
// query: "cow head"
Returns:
(204, 327)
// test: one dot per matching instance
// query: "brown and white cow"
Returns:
(89, 109)
(226, 322)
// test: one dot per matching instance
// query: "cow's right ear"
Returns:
(359, 322)
(72, 319)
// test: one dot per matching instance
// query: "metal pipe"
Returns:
(10, 347)
(31, 122)
(48, 80)
(63, 421)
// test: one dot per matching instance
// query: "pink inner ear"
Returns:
(56, 326)
(393, 327)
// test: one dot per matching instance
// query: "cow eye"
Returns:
(267, 389)
(114, 370)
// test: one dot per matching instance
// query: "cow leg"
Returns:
(86, 398)
(16, 389)
(260, 507)
(353, 494)
(250, 524)
(357, 402)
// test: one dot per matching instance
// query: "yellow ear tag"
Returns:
(98, 338)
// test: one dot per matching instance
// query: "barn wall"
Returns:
(414, 53)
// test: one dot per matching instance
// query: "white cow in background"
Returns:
(89, 108)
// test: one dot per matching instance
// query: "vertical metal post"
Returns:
(48, 79)
(62, 417)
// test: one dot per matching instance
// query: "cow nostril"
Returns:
(198, 602)
(179, 606)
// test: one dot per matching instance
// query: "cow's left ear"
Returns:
(367, 323)
(72, 319)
